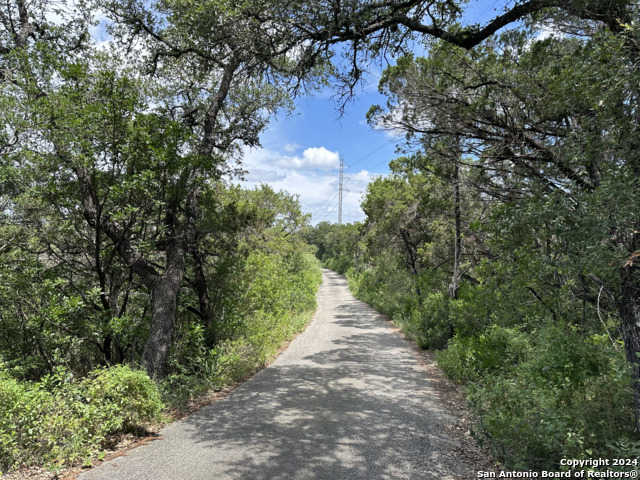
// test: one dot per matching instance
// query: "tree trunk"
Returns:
(457, 244)
(412, 258)
(629, 308)
(202, 289)
(164, 301)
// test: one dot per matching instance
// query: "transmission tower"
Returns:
(341, 178)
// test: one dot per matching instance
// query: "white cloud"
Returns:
(317, 188)
(314, 157)
(321, 157)
(362, 176)
(291, 147)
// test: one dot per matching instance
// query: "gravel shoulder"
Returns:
(349, 399)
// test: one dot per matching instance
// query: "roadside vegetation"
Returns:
(62, 402)
(507, 235)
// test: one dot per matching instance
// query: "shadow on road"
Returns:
(347, 400)
(354, 411)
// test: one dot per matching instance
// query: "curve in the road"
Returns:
(348, 399)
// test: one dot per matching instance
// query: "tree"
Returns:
(542, 120)
(374, 29)
(223, 74)
(132, 159)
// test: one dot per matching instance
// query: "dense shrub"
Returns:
(428, 322)
(127, 397)
(470, 358)
(384, 287)
(61, 421)
(234, 360)
(545, 395)
(12, 395)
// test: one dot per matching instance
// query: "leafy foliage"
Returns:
(569, 396)
(62, 420)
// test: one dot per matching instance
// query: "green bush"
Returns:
(12, 395)
(340, 264)
(189, 352)
(233, 360)
(280, 295)
(130, 396)
(384, 287)
(62, 421)
(570, 398)
(430, 323)
(470, 358)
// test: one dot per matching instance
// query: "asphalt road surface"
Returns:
(349, 399)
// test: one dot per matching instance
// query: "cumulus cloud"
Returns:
(317, 188)
(321, 157)
(314, 157)
(361, 177)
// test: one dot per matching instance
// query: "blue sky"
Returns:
(284, 161)
(316, 124)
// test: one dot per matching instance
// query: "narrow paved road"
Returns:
(348, 399)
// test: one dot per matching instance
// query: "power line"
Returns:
(375, 150)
